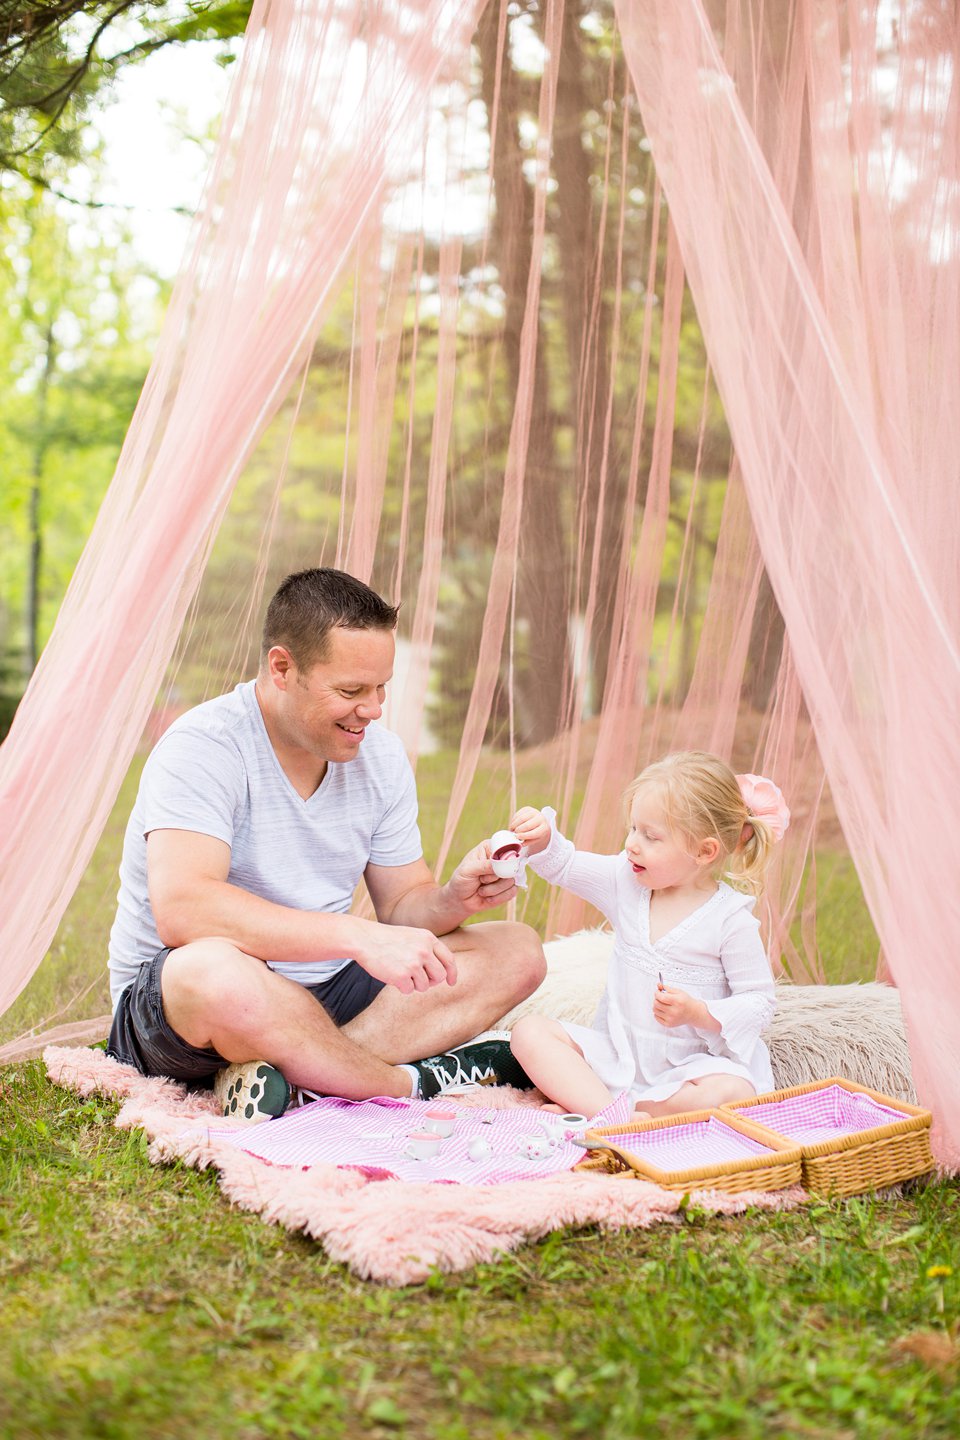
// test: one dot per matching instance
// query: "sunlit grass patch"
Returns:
(137, 1302)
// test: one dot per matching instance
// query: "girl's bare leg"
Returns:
(556, 1065)
(703, 1094)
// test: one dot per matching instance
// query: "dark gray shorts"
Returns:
(140, 1035)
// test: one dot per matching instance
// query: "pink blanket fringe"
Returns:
(384, 1230)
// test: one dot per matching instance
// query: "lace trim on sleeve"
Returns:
(552, 863)
(743, 1019)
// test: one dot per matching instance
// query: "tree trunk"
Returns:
(542, 599)
(35, 537)
(587, 322)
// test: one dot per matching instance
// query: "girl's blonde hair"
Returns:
(702, 799)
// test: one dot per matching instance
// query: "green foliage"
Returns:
(80, 315)
(562, 476)
(57, 55)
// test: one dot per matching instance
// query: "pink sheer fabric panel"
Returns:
(832, 317)
(508, 539)
(327, 98)
(448, 278)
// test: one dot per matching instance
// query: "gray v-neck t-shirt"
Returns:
(215, 772)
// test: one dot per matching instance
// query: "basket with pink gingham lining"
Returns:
(700, 1150)
(824, 1114)
(851, 1138)
(689, 1146)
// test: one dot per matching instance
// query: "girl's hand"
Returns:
(675, 1007)
(531, 829)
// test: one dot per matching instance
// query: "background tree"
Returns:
(55, 55)
(81, 316)
(57, 59)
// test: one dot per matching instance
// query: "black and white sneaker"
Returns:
(252, 1091)
(487, 1060)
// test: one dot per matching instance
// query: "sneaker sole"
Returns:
(253, 1091)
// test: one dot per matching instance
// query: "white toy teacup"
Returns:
(440, 1121)
(422, 1145)
(504, 854)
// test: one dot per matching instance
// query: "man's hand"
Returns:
(531, 828)
(673, 1007)
(408, 958)
(473, 885)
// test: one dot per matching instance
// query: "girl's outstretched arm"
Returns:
(592, 877)
(532, 829)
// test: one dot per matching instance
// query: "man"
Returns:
(258, 813)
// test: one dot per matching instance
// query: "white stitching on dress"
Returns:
(651, 963)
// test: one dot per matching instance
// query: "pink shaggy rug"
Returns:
(392, 1231)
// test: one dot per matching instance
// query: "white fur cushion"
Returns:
(855, 1031)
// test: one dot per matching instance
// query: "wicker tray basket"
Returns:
(754, 1157)
(842, 1152)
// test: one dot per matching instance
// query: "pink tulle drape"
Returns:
(835, 346)
(436, 325)
(325, 96)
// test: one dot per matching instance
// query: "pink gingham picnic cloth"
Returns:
(823, 1114)
(690, 1146)
(370, 1135)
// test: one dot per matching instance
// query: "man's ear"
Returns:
(280, 666)
(708, 852)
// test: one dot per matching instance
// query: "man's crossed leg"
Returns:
(209, 1004)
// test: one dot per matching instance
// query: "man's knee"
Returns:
(527, 961)
(209, 973)
(509, 958)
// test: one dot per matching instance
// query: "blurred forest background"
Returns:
(620, 368)
(82, 312)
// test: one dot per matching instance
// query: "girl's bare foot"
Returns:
(639, 1114)
(554, 1109)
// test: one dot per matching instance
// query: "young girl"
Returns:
(689, 989)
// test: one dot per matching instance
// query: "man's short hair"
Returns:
(311, 603)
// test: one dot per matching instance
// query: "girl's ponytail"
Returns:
(748, 863)
(767, 819)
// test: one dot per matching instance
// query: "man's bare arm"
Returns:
(192, 899)
(409, 895)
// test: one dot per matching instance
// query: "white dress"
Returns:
(715, 954)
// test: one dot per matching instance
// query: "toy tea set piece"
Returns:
(437, 1126)
(561, 1127)
(699, 1150)
(423, 1145)
(440, 1121)
(851, 1138)
(506, 856)
(553, 1130)
(535, 1147)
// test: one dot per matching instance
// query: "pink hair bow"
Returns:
(765, 800)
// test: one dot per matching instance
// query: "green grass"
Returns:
(138, 1303)
(135, 1302)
